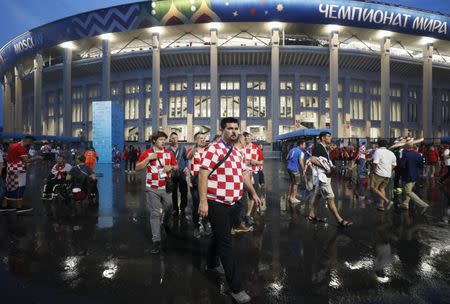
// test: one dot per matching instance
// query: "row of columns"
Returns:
(13, 121)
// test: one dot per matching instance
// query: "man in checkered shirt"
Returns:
(159, 163)
(220, 187)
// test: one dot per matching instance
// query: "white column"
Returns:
(385, 131)
(334, 81)
(106, 69)
(37, 115)
(156, 80)
(274, 123)
(214, 80)
(18, 110)
(7, 104)
(427, 92)
(67, 93)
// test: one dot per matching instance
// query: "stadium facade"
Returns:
(364, 69)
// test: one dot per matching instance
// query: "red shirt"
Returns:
(15, 151)
(196, 161)
(226, 184)
(252, 152)
(432, 156)
(91, 156)
(154, 180)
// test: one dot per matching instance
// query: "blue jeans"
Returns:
(361, 166)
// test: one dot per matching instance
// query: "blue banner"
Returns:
(146, 14)
(107, 128)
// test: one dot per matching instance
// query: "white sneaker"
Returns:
(241, 297)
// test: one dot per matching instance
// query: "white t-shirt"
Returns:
(384, 159)
(446, 154)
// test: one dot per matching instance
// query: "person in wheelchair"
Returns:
(56, 178)
(83, 181)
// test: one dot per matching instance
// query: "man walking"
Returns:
(362, 160)
(179, 175)
(296, 167)
(446, 157)
(384, 161)
(411, 163)
(159, 162)
(223, 175)
(322, 181)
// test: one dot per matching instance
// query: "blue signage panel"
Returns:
(146, 14)
(107, 128)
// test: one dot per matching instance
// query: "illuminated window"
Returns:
(256, 106)
(229, 106)
(177, 106)
(202, 106)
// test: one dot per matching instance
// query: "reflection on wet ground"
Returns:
(102, 255)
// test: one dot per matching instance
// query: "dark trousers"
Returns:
(195, 204)
(236, 214)
(446, 174)
(221, 245)
(261, 179)
(181, 185)
(132, 165)
(397, 177)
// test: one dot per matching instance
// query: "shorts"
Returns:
(324, 189)
(16, 194)
(377, 181)
(295, 177)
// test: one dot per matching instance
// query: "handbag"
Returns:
(170, 185)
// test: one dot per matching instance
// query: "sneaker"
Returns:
(7, 209)
(241, 297)
(249, 221)
(389, 205)
(424, 210)
(243, 228)
(24, 209)
(156, 248)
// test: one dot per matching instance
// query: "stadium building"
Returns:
(361, 68)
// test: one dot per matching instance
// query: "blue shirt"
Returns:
(410, 164)
(293, 161)
(181, 156)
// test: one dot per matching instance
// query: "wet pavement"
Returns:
(102, 255)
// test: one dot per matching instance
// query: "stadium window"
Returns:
(202, 86)
(283, 129)
(286, 85)
(375, 110)
(327, 102)
(309, 101)
(375, 90)
(94, 92)
(286, 106)
(51, 111)
(412, 94)
(229, 106)
(256, 85)
(202, 106)
(177, 106)
(395, 92)
(356, 88)
(356, 108)
(148, 107)
(77, 93)
(327, 87)
(309, 85)
(77, 112)
(445, 114)
(131, 89)
(229, 85)
(256, 106)
(131, 108)
(148, 87)
(444, 96)
(114, 91)
(90, 111)
(177, 86)
(395, 111)
(412, 112)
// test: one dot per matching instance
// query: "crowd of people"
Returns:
(225, 179)
(404, 163)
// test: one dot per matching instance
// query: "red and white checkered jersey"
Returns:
(153, 179)
(196, 161)
(226, 183)
(253, 152)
